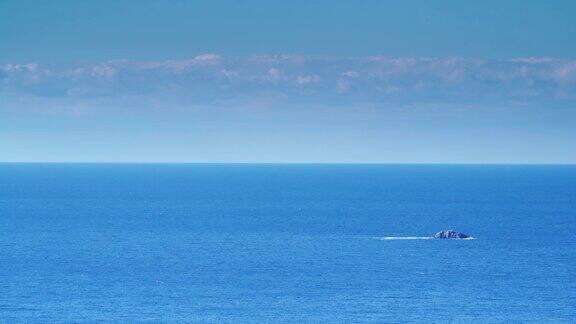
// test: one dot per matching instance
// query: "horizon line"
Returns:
(295, 163)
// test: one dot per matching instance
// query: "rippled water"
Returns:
(286, 243)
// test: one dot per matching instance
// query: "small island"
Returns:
(450, 234)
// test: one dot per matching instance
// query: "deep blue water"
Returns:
(286, 243)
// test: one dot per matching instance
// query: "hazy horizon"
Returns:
(298, 82)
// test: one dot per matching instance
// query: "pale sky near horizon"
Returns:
(288, 81)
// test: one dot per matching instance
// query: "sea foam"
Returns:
(387, 238)
(405, 238)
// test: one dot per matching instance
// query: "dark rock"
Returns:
(450, 234)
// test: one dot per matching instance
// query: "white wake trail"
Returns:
(389, 238)
(405, 238)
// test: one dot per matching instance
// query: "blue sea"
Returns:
(286, 243)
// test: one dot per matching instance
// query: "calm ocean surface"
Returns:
(286, 243)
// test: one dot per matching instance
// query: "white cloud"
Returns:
(343, 86)
(207, 57)
(28, 67)
(107, 70)
(229, 74)
(210, 78)
(351, 74)
(566, 73)
(304, 79)
(274, 74)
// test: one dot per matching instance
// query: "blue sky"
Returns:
(288, 81)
